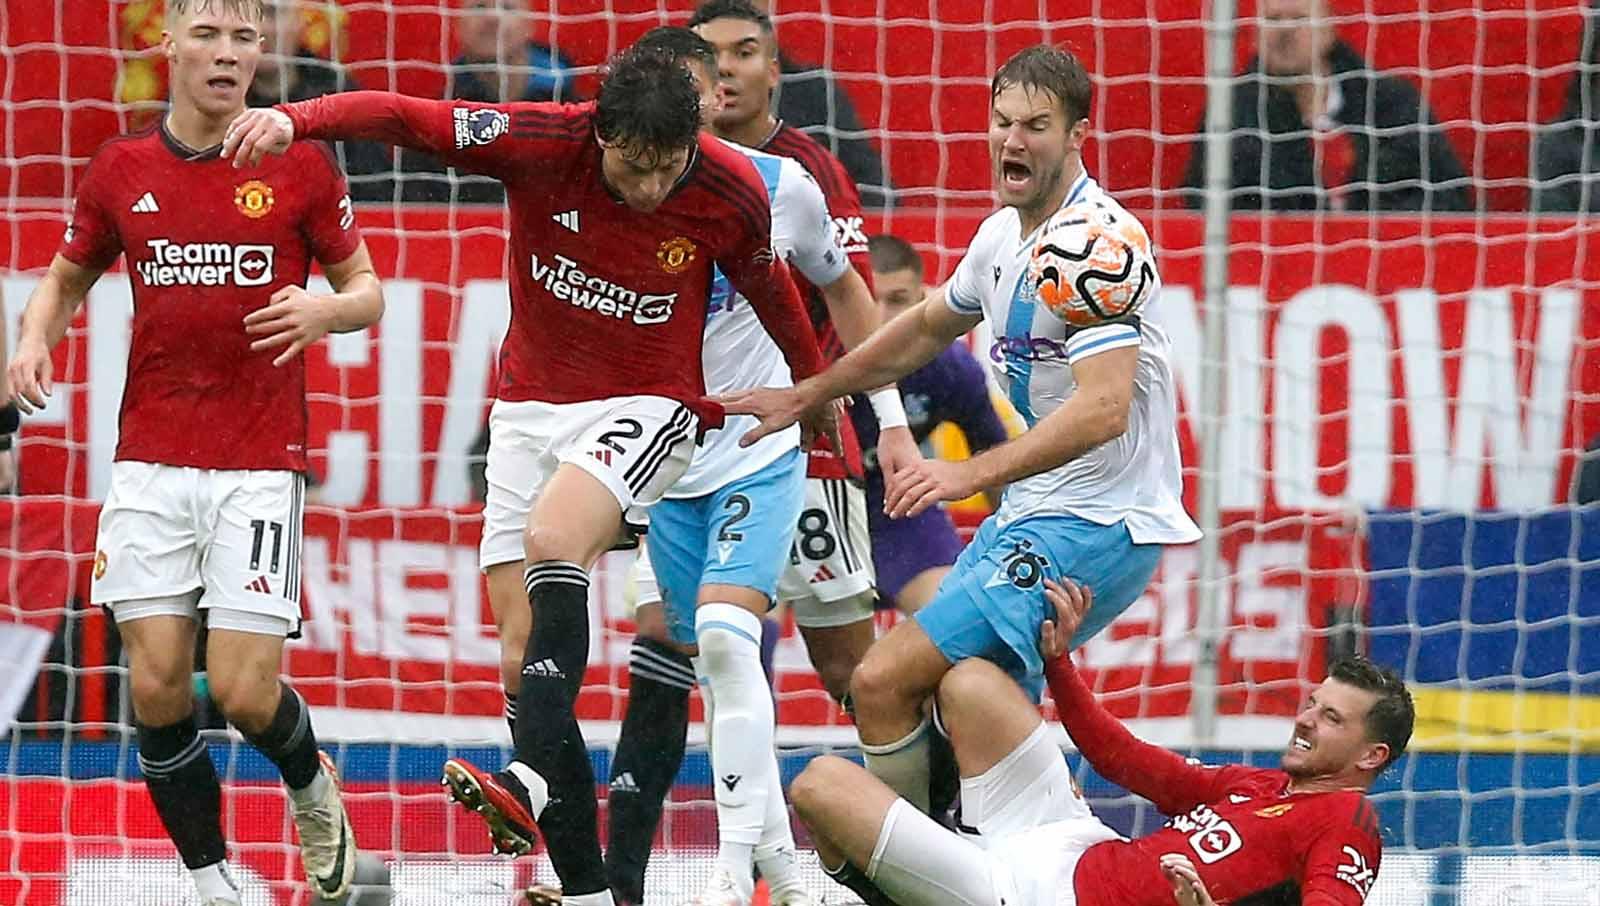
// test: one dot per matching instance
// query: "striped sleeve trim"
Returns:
(959, 305)
(1096, 340)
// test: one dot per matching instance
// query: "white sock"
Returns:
(775, 854)
(903, 765)
(603, 898)
(312, 795)
(742, 764)
(215, 881)
(538, 789)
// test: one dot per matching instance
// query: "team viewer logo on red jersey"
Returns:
(568, 282)
(253, 199)
(204, 264)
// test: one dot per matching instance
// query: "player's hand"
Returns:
(255, 133)
(1070, 601)
(292, 317)
(897, 450)
(8, 470)
(31, 372)
(1187, 888)
(776, 408)
(924, 483)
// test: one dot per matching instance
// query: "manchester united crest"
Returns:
(99, 564)
(675, 255)
(253, 199)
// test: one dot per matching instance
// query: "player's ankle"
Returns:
(525, 783)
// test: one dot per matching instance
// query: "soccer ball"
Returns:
(1092, 264)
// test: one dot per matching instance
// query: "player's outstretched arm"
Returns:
(898, 348)
(296, 319)
(44, 322)
(1162, 776)
(475, 136)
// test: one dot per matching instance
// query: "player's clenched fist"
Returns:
(257, 132)
(1069, 601)
(1187, 888)
(293, 317)
(31, 372)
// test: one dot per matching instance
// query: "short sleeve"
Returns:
(816, 252)
(1091, 341)
(92, 239)
(964, 290)
(330, 224)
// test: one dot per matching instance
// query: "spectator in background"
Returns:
(811, 100)
(500, 62)
(1314, 128)
(290, 72)
(1566, 158)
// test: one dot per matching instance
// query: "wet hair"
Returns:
(253, 10)
(890, 253)
(1052, 70)
(1392, 716)
(682, 43)
(736, 9)
(647, 101)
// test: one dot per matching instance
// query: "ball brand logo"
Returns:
(675, 255)
(205, 264)
(99, 564)
(253, 199)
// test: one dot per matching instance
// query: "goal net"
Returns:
(1408, 378)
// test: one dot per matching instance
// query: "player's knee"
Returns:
(161, 692)
(558, 542)
(247, 698)
(836, 673)
(968, 688)
(810, 789)
(875, 683)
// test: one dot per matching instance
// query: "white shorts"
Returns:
(181, 540)
(830, 563)
(637, 446)
(1027, 859)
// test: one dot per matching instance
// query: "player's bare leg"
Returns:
(837, 650)
(177, 767)
(888, 689)
(986, 714)
(243, 677)
(916, 594)
(513, 621)
(549, 787)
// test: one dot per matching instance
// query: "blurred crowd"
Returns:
(1314, 125)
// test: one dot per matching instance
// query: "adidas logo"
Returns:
(545, 668)
(623, 783)
(822, 574)
(146, 205)
(731, 780)
(259, 585)
(601, 455)
(568, 219)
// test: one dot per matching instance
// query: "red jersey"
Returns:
(207, 244)
(1242, 828)
(849, 228)
(605, 301)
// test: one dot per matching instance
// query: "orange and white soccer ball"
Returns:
(1092, 264)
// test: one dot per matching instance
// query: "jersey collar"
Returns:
(184, 152)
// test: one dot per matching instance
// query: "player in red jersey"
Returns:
(619, 211)
(202, 520)
(1238, 830)
(830, 582)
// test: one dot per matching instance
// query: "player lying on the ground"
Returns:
(1251, 829)
(1094, 487)
(913, 554)
(600, 397)
(203, 517)
(722, 539)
